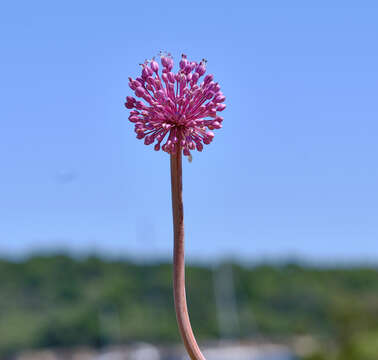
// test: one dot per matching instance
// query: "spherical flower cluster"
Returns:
(177, 110)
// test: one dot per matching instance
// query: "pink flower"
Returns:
(176, 110)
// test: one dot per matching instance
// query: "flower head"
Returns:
(176, 111)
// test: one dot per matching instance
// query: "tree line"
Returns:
(62, 301)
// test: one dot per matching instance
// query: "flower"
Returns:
(176, 111)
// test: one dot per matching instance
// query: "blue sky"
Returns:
(293, 172)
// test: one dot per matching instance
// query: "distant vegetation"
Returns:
(58, 301)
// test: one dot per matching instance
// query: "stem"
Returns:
(181, 308)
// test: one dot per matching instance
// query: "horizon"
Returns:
(212, 262)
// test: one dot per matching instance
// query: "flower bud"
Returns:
(148, 140)
(134, 84)
(133, 118)
(209, 95)
(139, 105)
(139, 91)
(150, 80)
(201, 68)
(157, 83)
(164, 61)
(208, 79)
(221, 107)
(183, 62)
(146, 72)
(182, 80)
(219, 99)
(170, 66)
(171, 77)
(216, 87)
(154, 66)
(195, 78)
(187, 69)
(140, 79)
(167, 62)
(164, 76)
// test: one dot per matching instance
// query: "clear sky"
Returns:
(293, 172)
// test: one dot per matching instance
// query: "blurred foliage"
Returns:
(57, 300)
